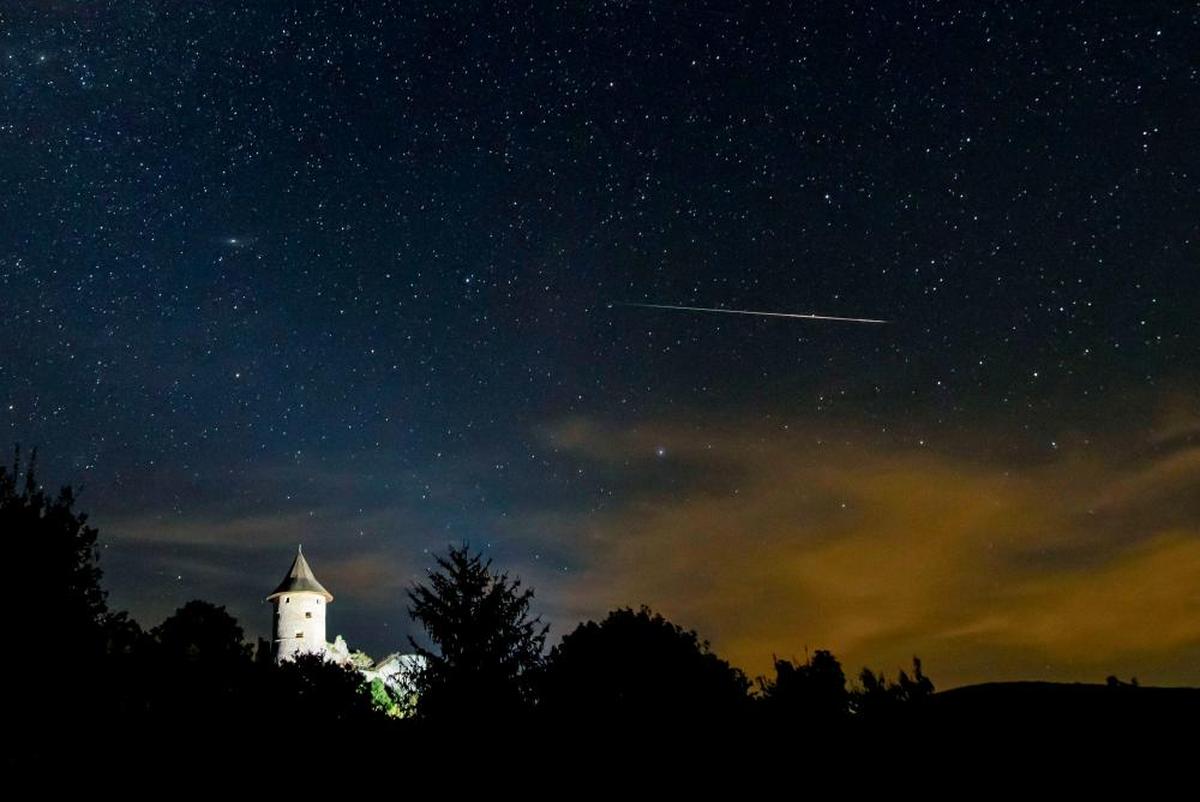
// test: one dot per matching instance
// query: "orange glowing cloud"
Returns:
(1080, 563)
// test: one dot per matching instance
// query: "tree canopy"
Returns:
(54, 558)
(202, 633)
(879, 699)
(638, 665)
(488, 646)
(814, 690)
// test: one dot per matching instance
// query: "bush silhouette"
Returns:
(639, 667)
(309, 690)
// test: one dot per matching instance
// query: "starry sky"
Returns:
(352, 276)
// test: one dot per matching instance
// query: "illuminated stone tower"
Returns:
(300, 602)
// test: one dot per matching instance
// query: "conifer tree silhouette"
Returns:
(488, 647)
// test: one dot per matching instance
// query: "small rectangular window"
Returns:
(299, 634)
(308, 615)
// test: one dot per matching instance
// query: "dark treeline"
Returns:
(81, 673)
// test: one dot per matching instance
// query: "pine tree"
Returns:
(488, 648)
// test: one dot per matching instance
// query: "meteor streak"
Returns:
(759, 314)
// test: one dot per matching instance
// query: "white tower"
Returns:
(299, 601)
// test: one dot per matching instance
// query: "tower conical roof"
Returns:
(300, 579)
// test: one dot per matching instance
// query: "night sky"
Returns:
(352, 276)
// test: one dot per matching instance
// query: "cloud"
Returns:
(1065, 566)
(250, 530)
(377, 578)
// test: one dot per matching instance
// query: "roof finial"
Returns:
(299, 548)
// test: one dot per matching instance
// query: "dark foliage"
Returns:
(66, 626)
(489, 648)
(195, 668)
(201, 634)
(311, 690)
(53, 558)
(876, 698)
(813, 692)
(639, 667)
(1113, 681)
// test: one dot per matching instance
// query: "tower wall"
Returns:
(299, 626)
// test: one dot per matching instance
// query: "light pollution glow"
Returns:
(772, 540)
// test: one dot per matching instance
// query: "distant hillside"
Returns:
(1065, 706)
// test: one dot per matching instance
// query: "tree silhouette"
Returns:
(310, 690)
(197, 669)
(914, 689)
(638, 666)
(809, 692)
(54, 551)
(55, 576)
(488, 646)
(201, 633)
(879, 699)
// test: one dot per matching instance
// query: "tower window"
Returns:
(308, 615)
(299, 634)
